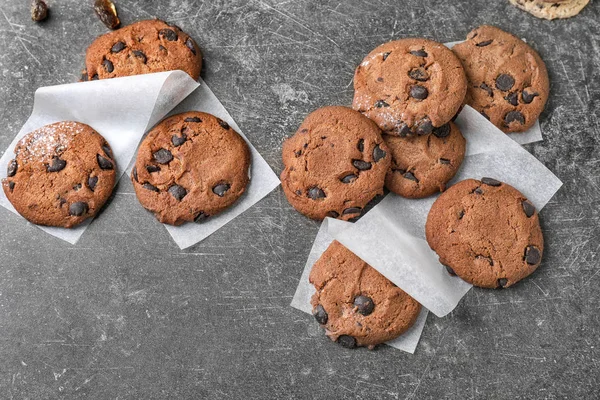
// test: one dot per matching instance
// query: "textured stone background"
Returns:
(125, 314)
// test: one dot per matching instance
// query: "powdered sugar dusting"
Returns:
(48, 141)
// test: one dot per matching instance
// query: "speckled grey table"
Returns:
(125, 314)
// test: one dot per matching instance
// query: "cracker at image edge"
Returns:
(551, 9)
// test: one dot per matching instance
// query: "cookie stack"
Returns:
(189, 167)
(400, 135)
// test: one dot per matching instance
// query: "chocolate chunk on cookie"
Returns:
(508, 81)
(193, 179)
(62, 174)
(142, 48)
(355, 304)
(422, 165)
(409, 86)
(335, 164)
(487, 232)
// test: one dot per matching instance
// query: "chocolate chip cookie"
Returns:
(357, 305)
(335, 164)
(142, 48)
(551, 9)
(422, 165)
(190, 166)
(409, 86)
(486, 232)
(508, 81)
(62, 174)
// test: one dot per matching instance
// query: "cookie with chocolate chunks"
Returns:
(508, 81)
(355, 304)
(62, 174)
(190, 166)
(422, 165)
(486, 232)
(409, 86)
(142, 48)
(335, 164)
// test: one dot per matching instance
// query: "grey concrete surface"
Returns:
(125, 314)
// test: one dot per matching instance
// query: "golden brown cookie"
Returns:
(142, 48)
(422, 165)
(62, 174)
(335, 164)
(409, 86)
(355, 304)
(551, 9)
(190, 166)
(508, 81)
(486, 232)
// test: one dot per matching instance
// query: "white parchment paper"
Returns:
(406, 342)
(120, 109)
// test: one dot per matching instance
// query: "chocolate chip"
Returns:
(11, 186)
(352, 210)
(178, 140)
(168, 34)
(107, 151)
(39, 10)
(77, 187)
(78, 209)
(484, 43)
(364, 304)
(361, 165)
(349, 178)
(140, 55)
(402, 129)
(488, 259)
(514, 116)
(333, 214)
(488, 89)
(410, 176)
(192, 119)
(461, 214)
(512, 98)
(320, 314)
(419, 74)
(381, 103)
(178, 192)
(424, 127)
(361, 145)
(162, 156)
(57, 165)
(190, 45)
(528, 97)
(95, 77)
(201, 216)
(104, 163)
(505, 82)
(315, 193)
(478, 191)
(117, 47)
(450, 270)
(490, 182)
(502, 282)
(108, 66)
(152, 168)
(528, 208)
(92, 182)
(12, 168)
(444, 161)
(220, 189)
(223, 124)
(378, 153)
(442, 131)
(84, 76)
(532, 255)
(135, 175)
(107, 12)
(162, 48)
(148, 186)
(385, 55)
(419, 92)
(379, 79)
(346, 341)
(62, 202)
(419, 53)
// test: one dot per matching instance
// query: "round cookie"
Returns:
(551, 9)
(190, 166)
(422, 165)
(142, 48)
(335, 164)
(486, 232)
(508, 81)
(409, 86)
(355, 304)
(62, 174)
